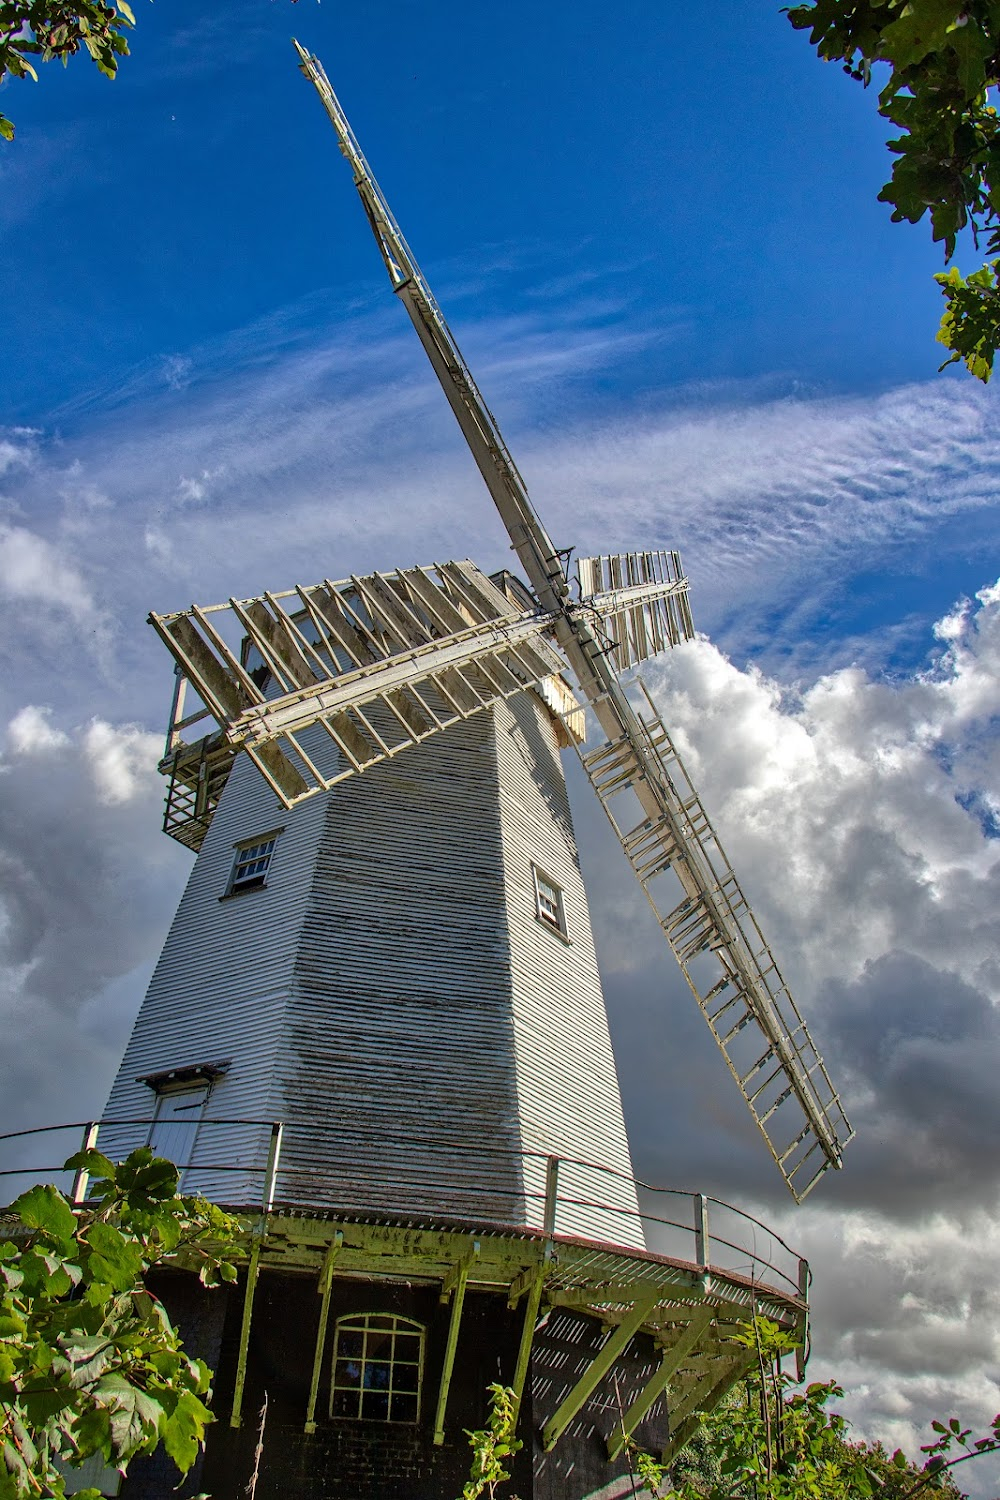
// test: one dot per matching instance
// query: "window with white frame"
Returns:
(549, 905)
(251, 863)
(378, 1361)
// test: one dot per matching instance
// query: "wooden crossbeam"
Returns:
(595, 1372)
(705, 1395)
(672, 1359)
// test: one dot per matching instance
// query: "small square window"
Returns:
(251, 864)
(549, 905)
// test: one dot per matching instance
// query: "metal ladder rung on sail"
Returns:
(713, 918)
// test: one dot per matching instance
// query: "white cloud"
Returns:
(33, 569)
(30, 731)
(848, 805)
(87, 886)
(18, 448)
(853, 812)
(122, 759)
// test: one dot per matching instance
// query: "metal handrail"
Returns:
(279, 1178)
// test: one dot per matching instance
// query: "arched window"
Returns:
(378, 1362)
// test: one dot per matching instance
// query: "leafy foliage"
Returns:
(89, 1361)
(943, 59)
(48, 29)
(493, 1445)
(769, 1442)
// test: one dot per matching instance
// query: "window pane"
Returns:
(251, 863)
(378, 1376)
(403, 1408)
(405, 1377)
(345, 1404)
(376, 1368)
(348, 1372)
(375, 1406)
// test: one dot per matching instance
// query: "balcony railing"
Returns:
(694, 1228)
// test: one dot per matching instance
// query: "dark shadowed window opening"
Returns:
(377, 1367)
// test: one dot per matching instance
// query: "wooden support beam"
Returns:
(325, 1287)
(597, 1369)
(527, 1336)
(459, 1272)
(522, 1283)
(457, 1293)
(657, 1384)
(253, 1270)
(705, 1395)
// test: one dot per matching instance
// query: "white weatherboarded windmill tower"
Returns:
(378, 1011)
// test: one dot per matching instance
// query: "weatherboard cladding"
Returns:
(570, 1103)
(220, 988)
(391, 993)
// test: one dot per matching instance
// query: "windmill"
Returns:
(384, 950)
(396, 641)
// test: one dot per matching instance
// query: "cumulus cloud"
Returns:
(31, 731)
(86, 889)
(32, 569)
(850, 813)
(122, 760)
(906, 1317)
(857, 814)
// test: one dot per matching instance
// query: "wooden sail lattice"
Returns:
(723, 955)
(641, 602)
(378, 663)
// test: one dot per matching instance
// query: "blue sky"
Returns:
(688, 186)
(655, 233)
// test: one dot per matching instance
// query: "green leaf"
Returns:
(45, 1208)
(183, 1432)
(133, 1416)
(92, 1161)
(142, 1177)
(12, 1325)
(114, 1260)
(93, 1432)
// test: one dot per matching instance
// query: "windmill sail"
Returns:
(712, 918)
(376, 663)
(641, 598)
